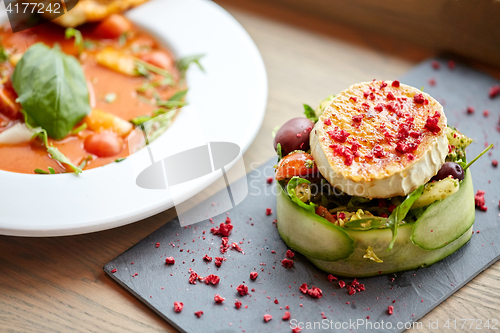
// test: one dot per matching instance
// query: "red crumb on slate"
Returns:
(269, 211)
(213, 279)
(486, 113)
(236, 247)
(157, 245)
(390, 309)
(276, 301)
(451, 64)
(207, 258)
(267, 317)
(224, 229)
(494, 91)
(198, 313)
(435, 64)
(432, 82)
(479, 200)
(296, 330)
(270, 180)
(494, 163)
(341, 284)
(169, 260)
(303, 288)
(178, 306)
(289, 254)
(193, 276)
(286, 316)
(253, 275)
(242, 289)
(330, 277)
(470, 110)
(113, 270)
(287, 263)
(315, 292)
(237, 305)
(219, 260)
(219, 299)
(224, 245)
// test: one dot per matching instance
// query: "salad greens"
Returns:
(71, 32)
(290, 188)
(310, 113)
(52, 89)
(184, 63)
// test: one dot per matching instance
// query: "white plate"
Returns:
(230, 98)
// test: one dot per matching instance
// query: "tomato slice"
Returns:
(113, 26)
(104, 144)
(296, 164)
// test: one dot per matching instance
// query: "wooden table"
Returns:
(57, 284)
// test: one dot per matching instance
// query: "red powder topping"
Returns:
(338, 135)
(113, 270)
(354, 99)
(213, 279)
(379, 107)
(267, 317)
(303, 288)
(419, 99)
(237, 304)
(178, 306)
(378, 151)
(494, 91)
(253, 275)
(198, 313)
(390, 309)
(286, 316)
(219, 260)
(383, 85)
(327, 122)
(287, 263)
(207, 258)
(390, 96)
(357, 118)
(269, 211)
(395, 84)
(242, 289)
(223, 229)
(366, 94)
(330, 277)
(219, 299)
(315, 292)
(432, 123)
(169, 260)
(289, 254)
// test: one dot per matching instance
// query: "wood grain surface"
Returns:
(58, 285)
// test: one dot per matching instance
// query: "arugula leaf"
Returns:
(85, 161)
(478, 156)
(79, 129)
(184, 63)
(355, 201)
(118, 160)
(399, 213)
(173, 102)
(41, 133)
(290, 188)
(145, 68)
(71, 32)
(368, 223)
(279, 152)
(310, 114)
(3, 54)
(41, 172)
(157, 125)
(52, 89)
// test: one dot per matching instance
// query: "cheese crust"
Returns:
(380, 139)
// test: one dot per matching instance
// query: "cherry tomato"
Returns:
(113, 26)
(158, 58)
(104, 144)
(296, 164)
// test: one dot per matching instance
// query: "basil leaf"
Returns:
(368, 223)
(52, 89)
(310, 114)
(399, 213)
(290, 189)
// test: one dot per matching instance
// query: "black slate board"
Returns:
(413, 293)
